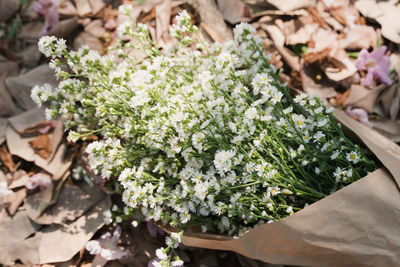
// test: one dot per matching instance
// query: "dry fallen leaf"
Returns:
(359, 37)
(210, 15)
(19, 179)
(55, 243)
(6, 158)
(28, 121)
(83, 7)
(71, 203)
(72, 237)
(15, 200)
(95, 28)
(57, 165)
(386, 13)
(163, 12)
(279, 40)
(64, 28)
(15, 229)
(20, 86)
(67, 8)
(362, 97)
(297, 31)
(42, 145)
(233, 11)
(289, 5)
(97, 6)
(87, 38)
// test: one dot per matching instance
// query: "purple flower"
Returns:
(376, 63)
(358, 114)
(47, 8)
(106, 247)
(41, 180)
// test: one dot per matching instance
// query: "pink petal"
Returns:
(377, 54)
(113, 254)
(111, 24)
(358, 114)
(361, 59)
(383, 76)
(40, 179)
(368, 79)
(93, 247)
(45, 129)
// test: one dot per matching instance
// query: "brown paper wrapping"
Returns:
(358, 225)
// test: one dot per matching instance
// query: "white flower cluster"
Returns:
(207, 137)
(163, 259)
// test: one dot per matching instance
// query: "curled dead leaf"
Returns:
(42, 145)
(6, 158)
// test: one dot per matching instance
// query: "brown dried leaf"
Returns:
(359, 37)
(233, 11)
(28, 121)
(15, 200)
(210, 15)
(20, 86)
(385, 13)
(64, 28)
(289, 5)
(19, 179)
(83, 7)
(340, 99)
(57, 165)
(42, 145)
(6, 158)
(313, 57)
(163, 13)
(87, 38)
(362, 97)
(67, 8)
(279, 40)
(15, 229)
(72, 237)
(95, 28)
(317, 17)
(71, 203)
(97, 6)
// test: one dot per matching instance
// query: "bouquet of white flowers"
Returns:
(198, 134)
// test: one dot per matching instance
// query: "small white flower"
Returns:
(160, 253)
(125, 9)
(353, 156)
(289, 210)
(46, 44)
